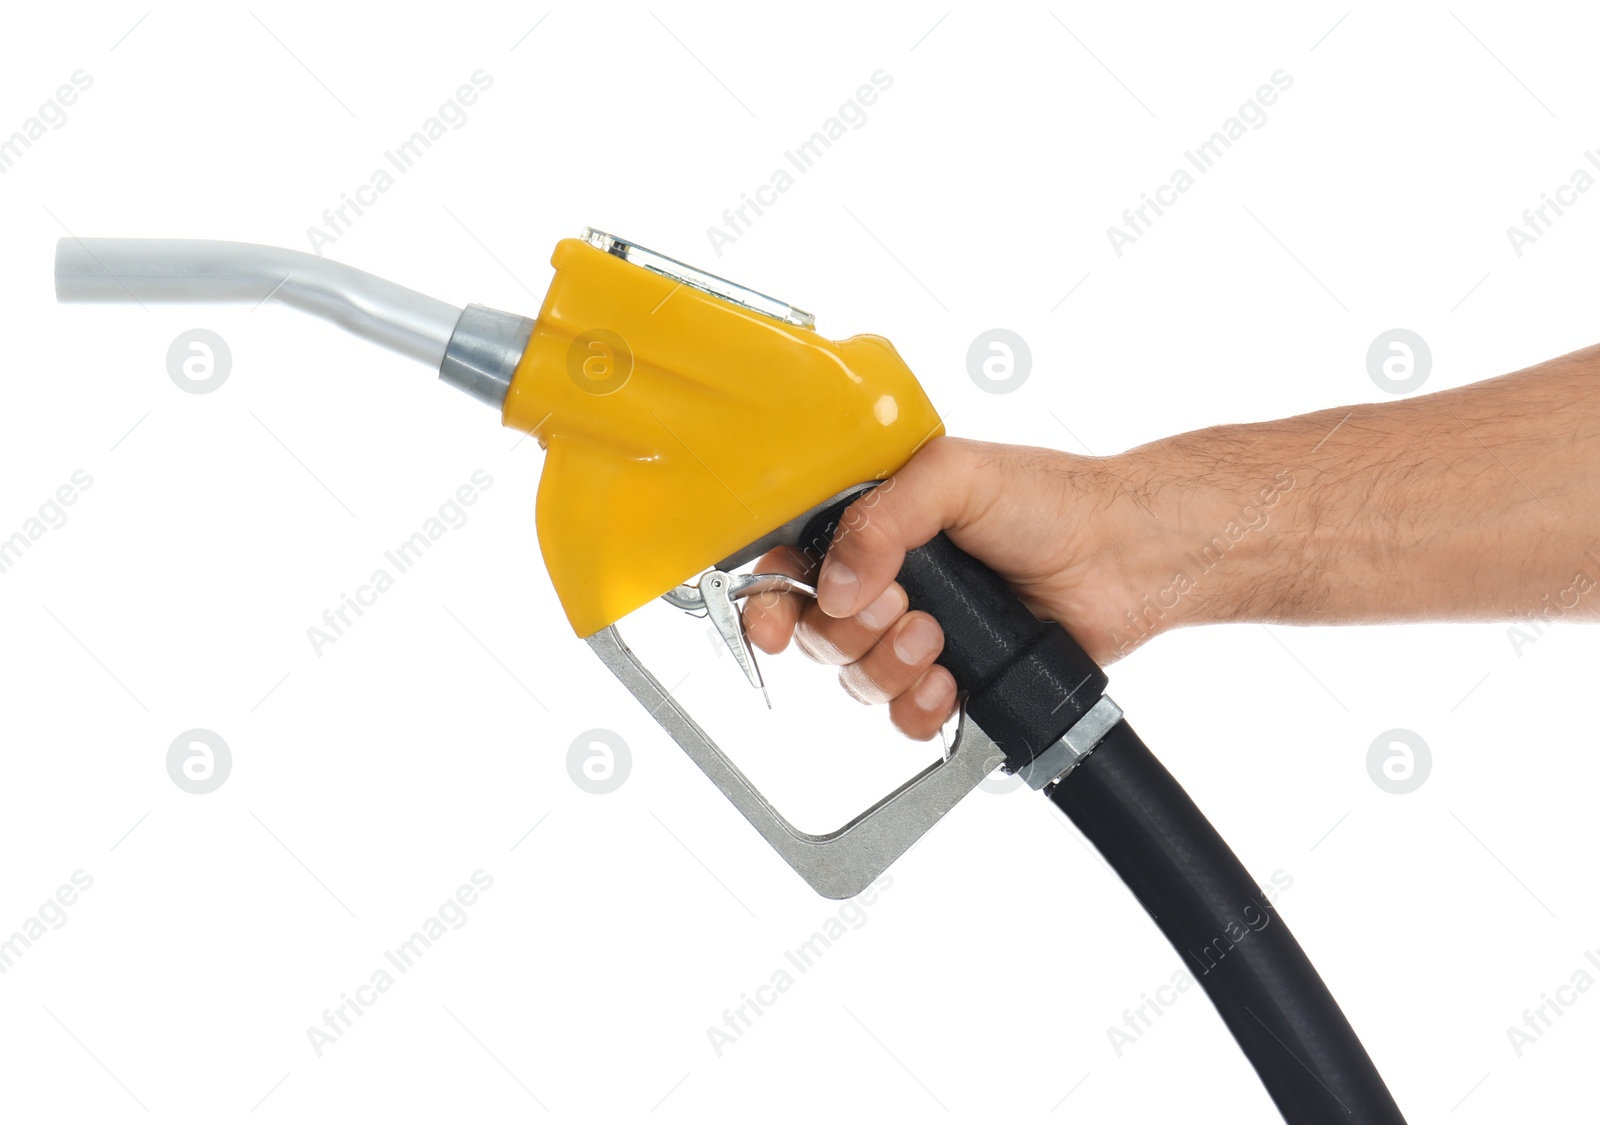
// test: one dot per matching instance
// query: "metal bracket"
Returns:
(837, 864)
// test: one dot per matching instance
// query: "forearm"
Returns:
(1476, 503)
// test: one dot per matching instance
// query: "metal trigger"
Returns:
(715, 594)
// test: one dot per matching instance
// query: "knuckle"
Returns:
(854, 686)
(826, 641)
(809, 643)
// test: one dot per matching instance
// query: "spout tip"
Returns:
(64, 261)
(80, 274)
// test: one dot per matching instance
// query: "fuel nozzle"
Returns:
(649, 384)
(476, 348)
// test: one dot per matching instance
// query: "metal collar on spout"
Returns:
(484, 351)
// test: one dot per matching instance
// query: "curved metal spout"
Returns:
(190, 270)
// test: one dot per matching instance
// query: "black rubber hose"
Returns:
(1227, 933)
(1027, 683)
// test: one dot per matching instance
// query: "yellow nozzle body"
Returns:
(680, 427)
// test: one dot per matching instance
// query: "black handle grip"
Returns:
(1026, 680)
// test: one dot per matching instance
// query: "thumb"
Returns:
(877, 530)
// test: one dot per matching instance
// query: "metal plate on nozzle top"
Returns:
(730, 291)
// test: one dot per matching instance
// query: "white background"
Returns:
(370, 781)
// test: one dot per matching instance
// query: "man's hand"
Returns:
(1476, 503)
(1070, 535)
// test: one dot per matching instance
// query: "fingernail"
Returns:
(837, 588)
(884, 609)
(917, 640)
(931, 692)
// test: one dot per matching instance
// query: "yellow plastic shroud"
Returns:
(679, 428)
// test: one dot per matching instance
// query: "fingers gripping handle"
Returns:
(1027, 682)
